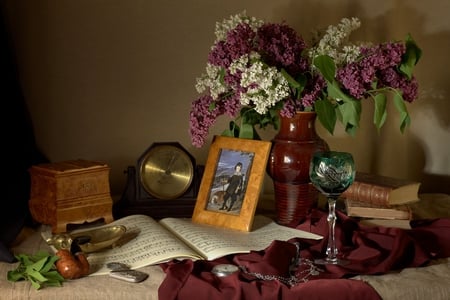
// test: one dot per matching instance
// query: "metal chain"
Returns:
(296, 276)
(292, 280)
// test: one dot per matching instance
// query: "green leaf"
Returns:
(350, 129)
(38, 265)
(39, 269)
(232, 131)
(335, 92)
(247, 131)
(351, 112)
(35, 284)
(405, 119)
(297, 84)
(326, 114)
(410, 58)
(222, 75)
(15, 276)
(292, 82)
(380, 113)
(326, 66)
(24, 259)
(55, 283)
(49, 264)
(36, 275)
(53, 276)
(274, 117)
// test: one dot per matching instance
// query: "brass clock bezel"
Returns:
(137, 199)
(166, 171)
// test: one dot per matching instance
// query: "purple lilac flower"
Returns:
(239, 42)
(384, 55)
(282, 47)
(353, 78)
(288, 110)
(201, 119)
(391, 78)
(410, 88)
(230, 105)
(233, 80)
(312, 91)
(377, 62)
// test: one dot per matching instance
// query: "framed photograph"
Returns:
(231, 183)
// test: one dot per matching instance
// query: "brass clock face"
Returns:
(166, 171)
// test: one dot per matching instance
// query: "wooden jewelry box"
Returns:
(70, 192)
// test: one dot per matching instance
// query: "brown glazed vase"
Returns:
(288, 166)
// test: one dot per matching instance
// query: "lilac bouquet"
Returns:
(258, 71)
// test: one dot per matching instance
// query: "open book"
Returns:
(148, 242)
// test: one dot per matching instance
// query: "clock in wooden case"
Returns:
(164, 183)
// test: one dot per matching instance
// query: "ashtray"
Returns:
(97, 238)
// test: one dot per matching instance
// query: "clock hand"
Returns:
(173, 158)
(168, 171)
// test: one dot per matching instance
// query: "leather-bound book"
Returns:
(382, 190)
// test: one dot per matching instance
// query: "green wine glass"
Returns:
(332, 172)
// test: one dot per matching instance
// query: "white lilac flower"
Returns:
(222, 28)
(239, 64)
(265, 86)
(211, 81)
(333, 41)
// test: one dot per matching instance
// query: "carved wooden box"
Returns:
(70, 192)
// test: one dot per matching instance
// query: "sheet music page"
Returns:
(145, 243)
(214, 242)
(148, 242)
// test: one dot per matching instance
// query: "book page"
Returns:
(214, 242)
(145, 242)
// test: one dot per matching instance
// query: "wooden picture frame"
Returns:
(216, 204)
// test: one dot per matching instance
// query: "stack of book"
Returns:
(380, 197)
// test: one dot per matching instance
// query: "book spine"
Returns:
(368, 193)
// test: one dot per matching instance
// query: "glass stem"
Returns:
(331, 247)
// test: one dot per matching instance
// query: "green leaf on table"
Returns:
(39, 269)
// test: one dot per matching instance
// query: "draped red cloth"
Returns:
(369, 250)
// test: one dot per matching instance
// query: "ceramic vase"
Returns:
(288, 167)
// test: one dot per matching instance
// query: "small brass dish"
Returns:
(99, 238)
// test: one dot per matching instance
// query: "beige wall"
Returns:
(103, 80)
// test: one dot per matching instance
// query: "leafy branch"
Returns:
(39, 269)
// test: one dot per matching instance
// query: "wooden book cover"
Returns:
(382, 190)
(364, 210)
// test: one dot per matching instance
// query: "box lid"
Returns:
(70, 166)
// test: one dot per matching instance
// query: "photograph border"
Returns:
(244, 220)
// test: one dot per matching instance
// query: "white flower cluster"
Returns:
(264, 85)
(212, 80)
(333, 42)
(222, 28)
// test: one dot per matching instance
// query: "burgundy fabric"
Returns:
(369, 250)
